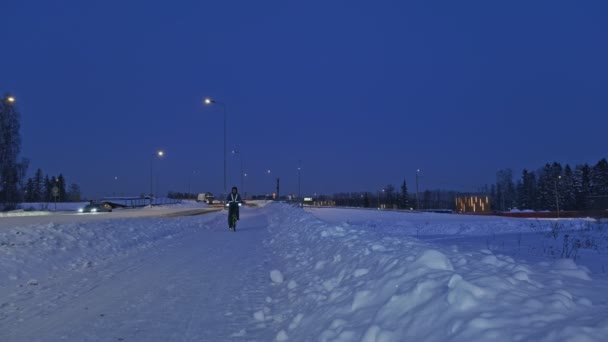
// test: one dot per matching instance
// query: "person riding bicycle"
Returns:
(233, 202)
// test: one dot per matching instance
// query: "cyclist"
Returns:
(233, 202)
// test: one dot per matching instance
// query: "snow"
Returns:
(276, 276)
(289, 274)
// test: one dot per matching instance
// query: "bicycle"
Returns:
(232, 220)
(233, 209)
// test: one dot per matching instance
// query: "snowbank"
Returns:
(37, 251)
(345, 283)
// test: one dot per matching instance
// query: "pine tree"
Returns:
(527, 191)
(404, 202)
(599, 178)
(546, 193)
(599, 186)
(48, 188)
(29, 190)
(582, 186)
(522, 202)
(556, 182)
(366, 200)
(533, 190)
(61, 185)
(568, 189)
(38, 192)
(12, 172)
(511, 192)
(506, 192)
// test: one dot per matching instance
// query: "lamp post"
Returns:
(299, 179)
(417, 194)
(209, 101)
(270, 177)
(245, 176)
(235, 152)
(158, 154)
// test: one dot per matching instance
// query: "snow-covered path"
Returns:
(286, 275)
(195, 287)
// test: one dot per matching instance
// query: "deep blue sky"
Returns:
(363, 92)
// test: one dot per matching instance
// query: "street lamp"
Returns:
(235, 152)
(299, 178)
(245, 176)
(10, 99)
(270, 177)
(209, 101)
(158, 154)
(417, 194)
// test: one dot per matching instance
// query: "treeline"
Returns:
(554, 186)
(390, 198)
(40, 189)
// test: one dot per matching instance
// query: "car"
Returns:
(96, 208)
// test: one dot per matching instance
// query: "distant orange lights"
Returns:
(473, 204)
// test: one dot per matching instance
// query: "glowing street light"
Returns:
(9, 100)
(209, 101)
(158, 154)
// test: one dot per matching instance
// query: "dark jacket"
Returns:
(233, 202)
(234, 198)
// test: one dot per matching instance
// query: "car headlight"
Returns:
(80, 210)
(94, 210)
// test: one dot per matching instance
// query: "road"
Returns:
(72, 217)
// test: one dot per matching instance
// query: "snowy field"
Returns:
(289, 274)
